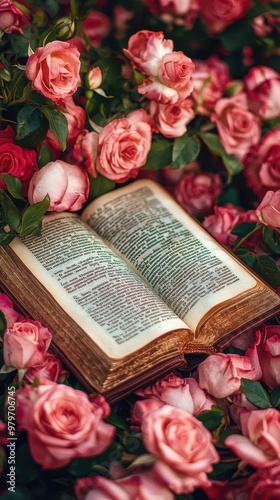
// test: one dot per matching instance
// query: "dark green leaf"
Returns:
(20, 493)
(275, 397)
(81, 8)
(117, 421)
(32, 127)
(3, 323)
(243, 228)
(99, 186)
(14, 186)
(245, 36)
(11, 213)
(267, 268)
(58, 124)
(160, 155)
(232, 164)
(185, 150)
(6, 238)
(44, 156)
(33, 216)
(255, 393)
(212, 419)
(272, 239)
(223, 471)
(213, 143)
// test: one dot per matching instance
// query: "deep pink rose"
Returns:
(7, 308)
(268, 211)
(67, 186)
(264, 484)
(123, 146)
(183, 393)
(238, 128)
(264, 354)
(76, 117)
(137, 487)
(172, 177)
(49, 369)
(62, 424)
(85, 151)
(198, 192)
(146, 49)
(210, 79)
(224, 219)
(171, 119)
(220, 374)
(54, 70)
(15, 160)
(11, 18)
(262, 164)
(25, 344)
(222, 13)
(262, 85)
(183, 448)
(259, 444)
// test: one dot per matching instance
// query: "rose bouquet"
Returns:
(97, 94)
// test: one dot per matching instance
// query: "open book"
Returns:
(131, 286)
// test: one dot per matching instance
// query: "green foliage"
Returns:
(212, 419)
(243, 228)
(185, 150)
(32, 127)
(81, 8)
(3, 323)
(44, 156)
(272, 239)
(232, 164)
(160, 155)
(57, 123)
(14, 186)
(255, 393)
(33, 216)
(275, 397)
(264, 265)
(100, 185)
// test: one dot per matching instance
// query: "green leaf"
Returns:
(3, 323)
(267, 268)
(6, 238)
(222, 471)
(44, 156)
(117, 421)
(245, 36)
(212, 419)
(275, 397)
(272, 239)
(11, 213)
(185, 150)
(243, 228)
(160, 155)
(213, 143)
(255, 393)
(33, 216)
(99, 186)
(14, 186)
(248, 257)
(81, 8)
(32, 127)
(58, 124)
(232, 164)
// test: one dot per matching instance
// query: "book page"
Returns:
(94, 287)
(184, 265)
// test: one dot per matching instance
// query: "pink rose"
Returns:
(62, 424)
(11, 18)
(171, 119)
(268, 211)
(76, 117)
(136, 487)
(123, 146)
(7, 308)
(25, 344)
(224, 219)
(54, 70)
(222, 13)
(183, 393)
(67, 186)
(238, 128)
(183, 448)
(210, 79)
(262, 164)
(220, 374)
(198, 192)
(86, 150)
(15, 160)
(259, 444)
(49, 369)
(172, 177)
(264, 484)
(173, 7)
(94, 78)
(121, 17)
(264, 24)
(239, 401)
(97, 26)
(262, 85)
(264, 354)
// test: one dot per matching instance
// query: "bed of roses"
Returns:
(94, 95)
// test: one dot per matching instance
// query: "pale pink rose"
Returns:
(76, 117)
(268, 211)
(238, 128)
(262, 164)
(54, 70)
(94, 78)
(198, 192)
(67, 186)
(224, 219)
(11, 18)
(7, 308)
(183, 448)
(222, 13)
(264, 484)
(136, 487)
(123, 146)
(265, 354)
(183, 393)
(171, 119)
(210, 79)
(49, 369)
(220, 374)
(259, 444)
(146, 49)
(62, 424)
(25, 344)
(262, 86)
